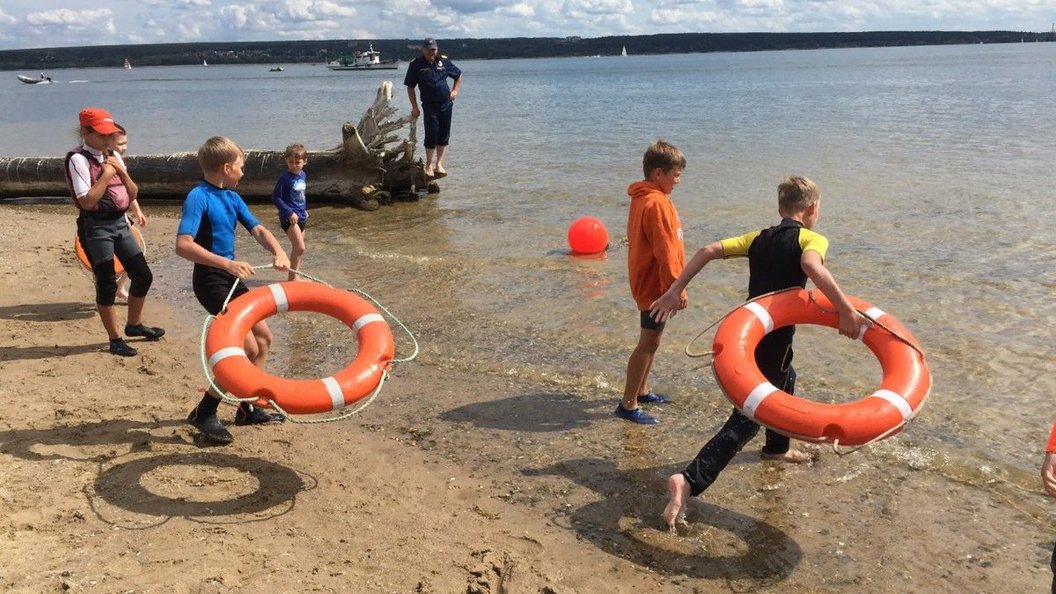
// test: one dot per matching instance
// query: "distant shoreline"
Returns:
(287, 52)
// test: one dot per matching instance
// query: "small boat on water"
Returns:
(368, 60)
(623, 52)
(128, 65)
(276, 69)
(29, 80)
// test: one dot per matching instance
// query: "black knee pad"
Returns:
(105, 282)
(140, 275)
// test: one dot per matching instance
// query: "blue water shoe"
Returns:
(636, 416)
(653, 398)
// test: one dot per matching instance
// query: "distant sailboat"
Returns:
(204, 63)
(128, 65)
(624, 52)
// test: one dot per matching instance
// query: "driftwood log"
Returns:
(362, 172)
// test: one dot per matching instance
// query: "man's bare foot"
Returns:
(440, 171)
(428, 171)
(678, 492)
(792, 456)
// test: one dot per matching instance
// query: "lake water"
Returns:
(935, 165)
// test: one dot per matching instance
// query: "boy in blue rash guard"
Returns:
(206, 236)
(288, 197)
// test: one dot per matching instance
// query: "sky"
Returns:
(60, 23)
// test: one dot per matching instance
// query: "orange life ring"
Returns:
(237, 375)
(82, 256)
(902, 392)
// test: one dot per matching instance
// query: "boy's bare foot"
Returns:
(678, 492)
(792, 456)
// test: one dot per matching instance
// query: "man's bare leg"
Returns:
(440, 171)
(429, 152)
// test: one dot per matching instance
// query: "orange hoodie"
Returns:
(1052, 440)
(656, 254)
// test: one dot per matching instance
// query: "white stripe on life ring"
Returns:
(756, 397)
(225, 353)
(763, 315)
(282, 302)
(861, 331)
(367, 319)
(898, 401)
(874, 313)
(337, 399)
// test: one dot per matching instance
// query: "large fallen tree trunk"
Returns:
(361, 172)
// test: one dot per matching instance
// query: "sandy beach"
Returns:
(449, 482)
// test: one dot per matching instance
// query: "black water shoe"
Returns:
(211, 428)
(120, 347)
(248, 414)
(148, 332)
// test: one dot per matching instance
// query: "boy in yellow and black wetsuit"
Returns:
(779, 257)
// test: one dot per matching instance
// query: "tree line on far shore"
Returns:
(286, 52)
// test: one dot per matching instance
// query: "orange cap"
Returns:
(98, 119)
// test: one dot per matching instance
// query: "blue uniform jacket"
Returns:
(431, 79)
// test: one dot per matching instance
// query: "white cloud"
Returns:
(287, 19)
(520, 10)
(24, 24)
(99, 20)
(757, 4)
(189, 31)
(582, 8)
(315, 10)
(685, 18)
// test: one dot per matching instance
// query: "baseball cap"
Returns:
(429, 43)
(98, 119)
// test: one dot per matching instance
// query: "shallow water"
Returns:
(934, 163)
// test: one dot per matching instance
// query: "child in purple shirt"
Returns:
(288, 197)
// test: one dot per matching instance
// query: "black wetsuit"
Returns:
(774, 257)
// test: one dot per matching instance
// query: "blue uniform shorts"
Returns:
(437, 122)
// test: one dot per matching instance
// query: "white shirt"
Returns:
(80, 172)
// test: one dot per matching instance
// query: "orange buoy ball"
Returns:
(588, 235)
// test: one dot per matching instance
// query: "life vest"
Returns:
(115, 199)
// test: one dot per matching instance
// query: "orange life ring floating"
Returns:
(902, 392)
(241, 378)
(82, 256)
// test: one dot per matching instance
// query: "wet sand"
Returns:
(448, 482)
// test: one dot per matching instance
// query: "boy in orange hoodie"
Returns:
(655, 258)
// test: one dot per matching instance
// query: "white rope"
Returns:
(835, 442)
(232, 399)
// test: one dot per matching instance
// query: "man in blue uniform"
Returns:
(429, 73)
